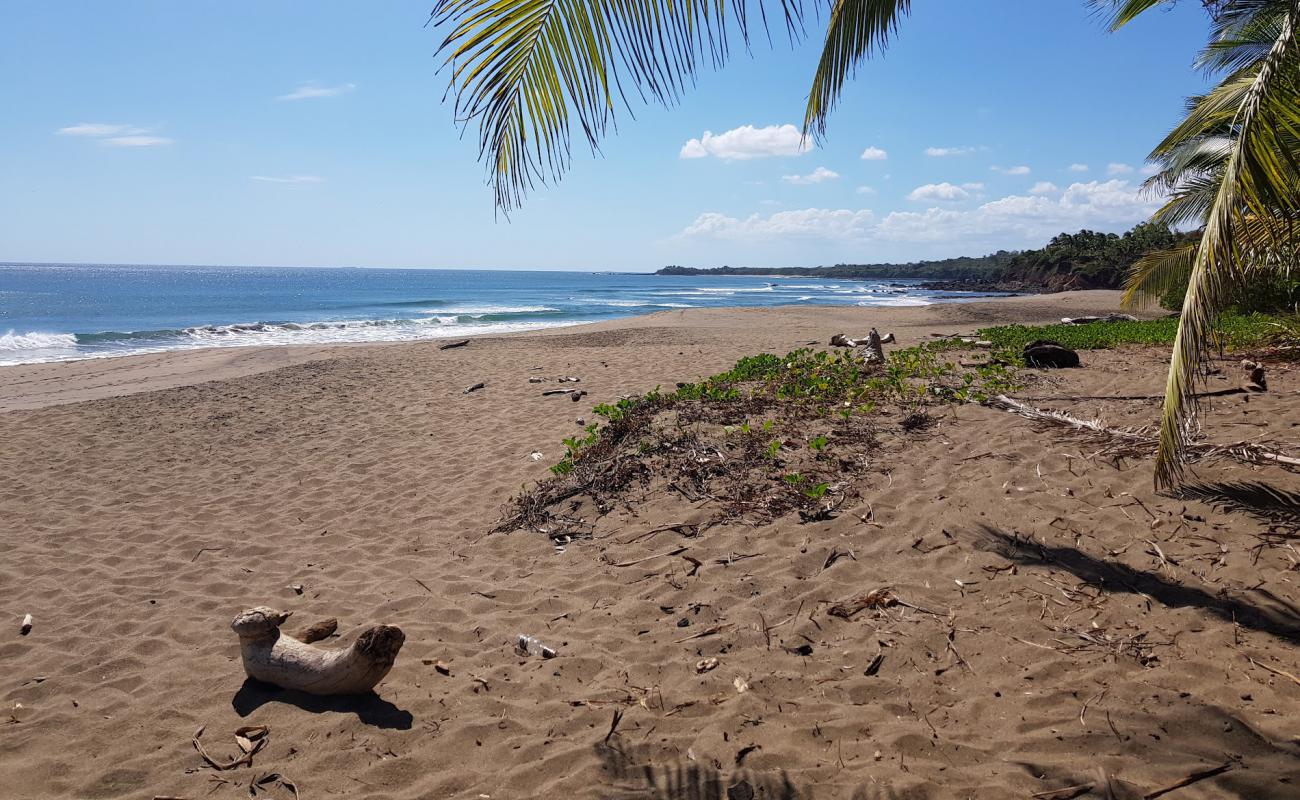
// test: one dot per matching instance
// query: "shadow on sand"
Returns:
(369, 708)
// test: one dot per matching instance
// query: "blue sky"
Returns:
(296, 133)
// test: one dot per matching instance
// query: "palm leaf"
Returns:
(857, 28)
(1156, 273)
(533, 74)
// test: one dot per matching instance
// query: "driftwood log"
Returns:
(277, 658)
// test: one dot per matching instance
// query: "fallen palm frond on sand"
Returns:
(1142, 442)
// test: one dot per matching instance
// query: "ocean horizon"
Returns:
(64, 312)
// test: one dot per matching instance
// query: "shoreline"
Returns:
(39, 385)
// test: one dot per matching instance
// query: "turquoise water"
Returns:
(64, 312)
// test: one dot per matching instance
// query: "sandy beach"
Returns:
(1066, 629)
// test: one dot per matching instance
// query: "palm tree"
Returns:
(1232, 166)
(529, 73)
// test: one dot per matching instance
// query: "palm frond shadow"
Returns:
(1269, 504)
(634, 773)
(1276, 617)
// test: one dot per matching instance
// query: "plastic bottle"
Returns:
(532, 646)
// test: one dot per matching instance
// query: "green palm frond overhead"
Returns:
(534, 75)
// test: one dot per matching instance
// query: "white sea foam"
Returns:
(480, 310)
(897, 302)
(36, 340)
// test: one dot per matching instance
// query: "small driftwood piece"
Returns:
(1254, 381)
(551, 392)
(318, 631)
(475, 387)
(451, 345)
(279, 659)
(876, 598)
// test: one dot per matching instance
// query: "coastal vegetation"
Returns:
(776, 435)
(1083, 260)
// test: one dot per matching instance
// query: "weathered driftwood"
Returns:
(280, 659)
(872, 342)
(475, 387)
(318, 631)
(453, 345)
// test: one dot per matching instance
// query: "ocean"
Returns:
(67, 312)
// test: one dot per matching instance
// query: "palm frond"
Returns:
(533, 74)
(857, 28)
(1254, 184)
(1156, 273)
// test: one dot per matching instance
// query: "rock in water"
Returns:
(1047, 353)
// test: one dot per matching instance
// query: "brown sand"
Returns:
(1091, 633)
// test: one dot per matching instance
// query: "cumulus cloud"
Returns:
(808, 223)
(819, 175)
(288, 178)
(1045, 187)
(1014, 220)
(114, 135)
(866, 190)
(1114, 169)
(874, 154)
(746, 142)
(1149, 170)
(314, 91)
(1020, 170)
(1078, 167)
(939, 193)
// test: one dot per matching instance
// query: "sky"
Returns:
(318, 134)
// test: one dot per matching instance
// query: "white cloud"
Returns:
(944, 152)
(874, 154)
(1149, 170)
(808, 223)
(939, 193)
(1012, 221)
(313, 90)
(973, 187)
(1114, 169)
(866, 190)
(1105, 205)
(137, 141)
(746, 142)
(114, 135)
(1078, 167)
(1045, 187)
(1020, 170)
(288, 179)
(99, 129)
(819, 175)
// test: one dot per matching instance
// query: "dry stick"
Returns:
(1245, 452)
(716, 629)
(1283, 673)
(1189, 780)
(450, 345)
(634, 562)
(1055, 794)
(1072, 397)
(205, 550)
